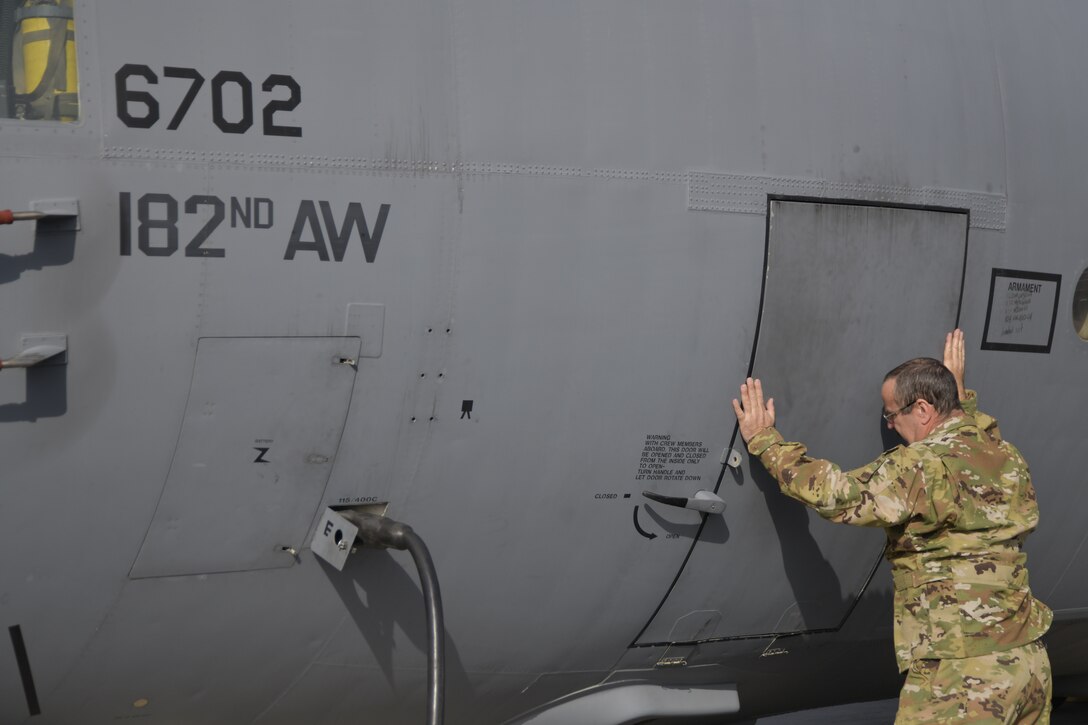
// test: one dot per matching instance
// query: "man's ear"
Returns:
(928, 411)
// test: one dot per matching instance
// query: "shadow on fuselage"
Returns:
(815, 583)
(46, 395)
(46, 385)
(52, 248)
(381, 596)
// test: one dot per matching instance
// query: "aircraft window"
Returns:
(1080, 306)
(39, 76)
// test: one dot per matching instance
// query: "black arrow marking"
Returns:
(639, 528)
(260, 457)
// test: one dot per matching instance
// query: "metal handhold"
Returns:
(37, 349)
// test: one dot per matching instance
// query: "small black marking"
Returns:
(466, 409)
(27, 676)
(260, 456)
(627, 495)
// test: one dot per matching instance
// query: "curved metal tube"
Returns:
(386, 533)
(436, 634)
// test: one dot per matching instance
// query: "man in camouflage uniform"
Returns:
(956, 503)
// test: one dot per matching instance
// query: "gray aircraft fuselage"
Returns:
(495, 269)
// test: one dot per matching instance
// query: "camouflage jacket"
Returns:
(956, 507)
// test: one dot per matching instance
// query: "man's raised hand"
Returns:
(954, 358)
(752, 414)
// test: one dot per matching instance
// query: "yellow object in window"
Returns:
(44, 61)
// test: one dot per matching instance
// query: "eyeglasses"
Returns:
(889, 417)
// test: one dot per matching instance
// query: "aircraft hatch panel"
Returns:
(261, 430)
(850, 291)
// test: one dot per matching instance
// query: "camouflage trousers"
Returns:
(1003, 687)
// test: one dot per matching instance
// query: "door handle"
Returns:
(705, 501)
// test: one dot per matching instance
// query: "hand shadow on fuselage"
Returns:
(393, 598)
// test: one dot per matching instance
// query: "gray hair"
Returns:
(924, 378)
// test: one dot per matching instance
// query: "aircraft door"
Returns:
(850, 291)
(261, 430)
